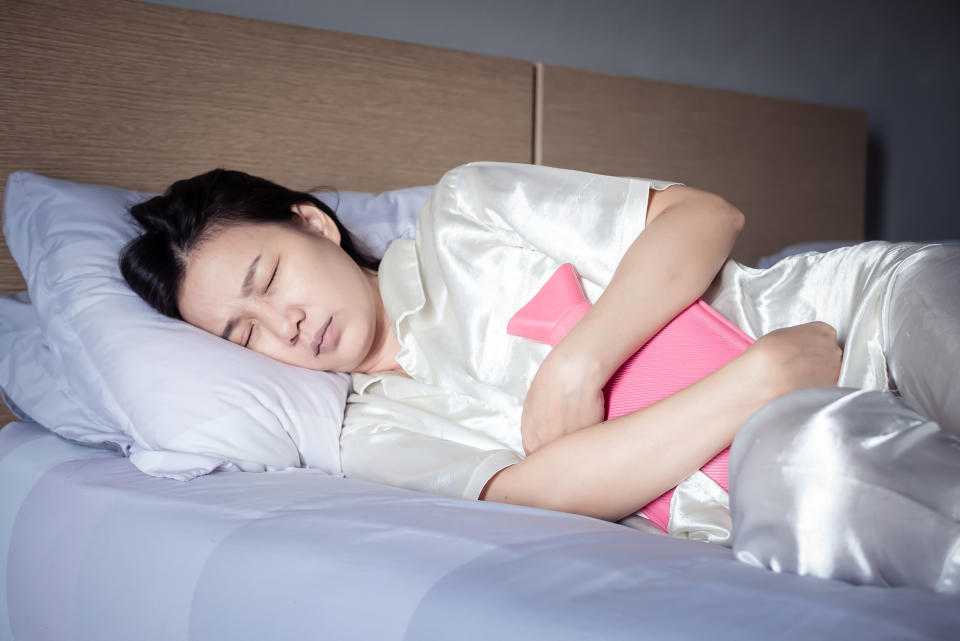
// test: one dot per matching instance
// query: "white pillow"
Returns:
(376, 220)
(181, 402)
(30, 373)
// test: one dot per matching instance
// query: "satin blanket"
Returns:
(864, 485)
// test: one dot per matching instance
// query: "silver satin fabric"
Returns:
(851, 485)
(847, 287)
(921, 329)
(488, 238)
(856, 290)
(864, 486)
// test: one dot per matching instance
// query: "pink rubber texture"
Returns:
(695, 343)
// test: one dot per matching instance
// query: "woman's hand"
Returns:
(686, 240)
(566, 395)
(798, 357)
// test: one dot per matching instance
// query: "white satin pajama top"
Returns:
(487, 240)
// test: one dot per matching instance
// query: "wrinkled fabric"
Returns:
(864, 486)
(488, 238)
(896, 309)
(94, 550)
(851, 485)
(921, 333)
(844, 287)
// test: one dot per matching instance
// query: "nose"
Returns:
(284, 323)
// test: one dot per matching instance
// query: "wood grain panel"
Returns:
(138, 95)
(797, 170)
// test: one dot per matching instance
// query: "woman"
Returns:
(446, 401)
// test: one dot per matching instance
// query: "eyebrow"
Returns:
(244, 292)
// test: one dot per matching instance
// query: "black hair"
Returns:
(191, 211)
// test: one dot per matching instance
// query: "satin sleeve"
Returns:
(401, 432)
(399, 457)
(576, 217)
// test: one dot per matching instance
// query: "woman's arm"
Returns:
(687, 238)
(611, 469)
(688, 235)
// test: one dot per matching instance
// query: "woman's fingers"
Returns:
(801, 356)
(562, 398)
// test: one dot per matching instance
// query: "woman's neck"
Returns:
(386, 345)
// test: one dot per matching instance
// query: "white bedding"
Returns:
(91, 548)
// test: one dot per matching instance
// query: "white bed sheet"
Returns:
(91, 548)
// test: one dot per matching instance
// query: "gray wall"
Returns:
(894, 58)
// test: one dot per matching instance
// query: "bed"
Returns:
(135, 95)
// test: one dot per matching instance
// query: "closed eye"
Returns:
(274, 275)
(270, 282)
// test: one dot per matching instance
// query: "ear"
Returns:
(317, 220)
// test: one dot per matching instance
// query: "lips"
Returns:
(317, 343)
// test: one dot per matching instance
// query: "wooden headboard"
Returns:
(797, 170)
(138, 95)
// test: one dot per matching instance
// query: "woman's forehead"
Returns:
(228, 243)
(216, 269)
(223, 237)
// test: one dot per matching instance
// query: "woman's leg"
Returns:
(922, 334)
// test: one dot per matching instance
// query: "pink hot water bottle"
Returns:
(695, 343)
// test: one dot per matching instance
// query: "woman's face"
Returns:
(274, 288)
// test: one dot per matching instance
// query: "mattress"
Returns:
(91, 548)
